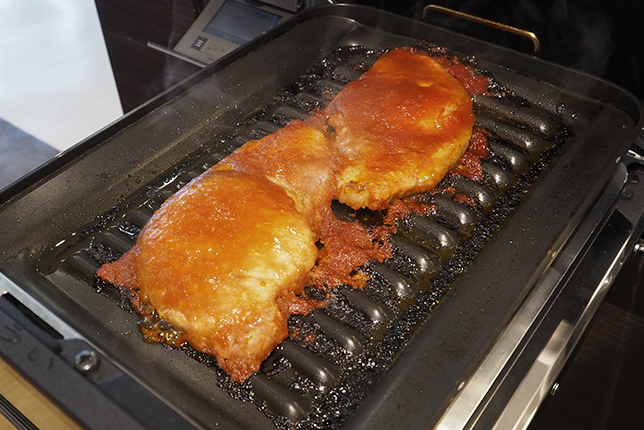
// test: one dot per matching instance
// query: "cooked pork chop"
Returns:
(400, 127)
(223, 260)
(300, 159)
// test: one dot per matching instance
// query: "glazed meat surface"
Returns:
(400, 128)
(222, 260)
(300, 159)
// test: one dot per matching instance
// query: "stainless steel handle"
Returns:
(503, 27)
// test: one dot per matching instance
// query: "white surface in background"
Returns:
(56, 81)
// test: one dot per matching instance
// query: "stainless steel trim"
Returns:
(473, 392)
(612, 250)
(535, 386)
(67, 332)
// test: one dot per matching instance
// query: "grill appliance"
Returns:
(466, 327)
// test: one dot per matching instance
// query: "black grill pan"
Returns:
(400, 348)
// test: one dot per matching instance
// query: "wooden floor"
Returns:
(602, 386)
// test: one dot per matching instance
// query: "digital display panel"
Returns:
(240, 23)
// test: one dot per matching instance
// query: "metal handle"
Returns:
(504, 27)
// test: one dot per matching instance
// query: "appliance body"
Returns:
(481, 351)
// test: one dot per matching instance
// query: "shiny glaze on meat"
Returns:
(400, 128)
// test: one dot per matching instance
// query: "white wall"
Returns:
(56, 81)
